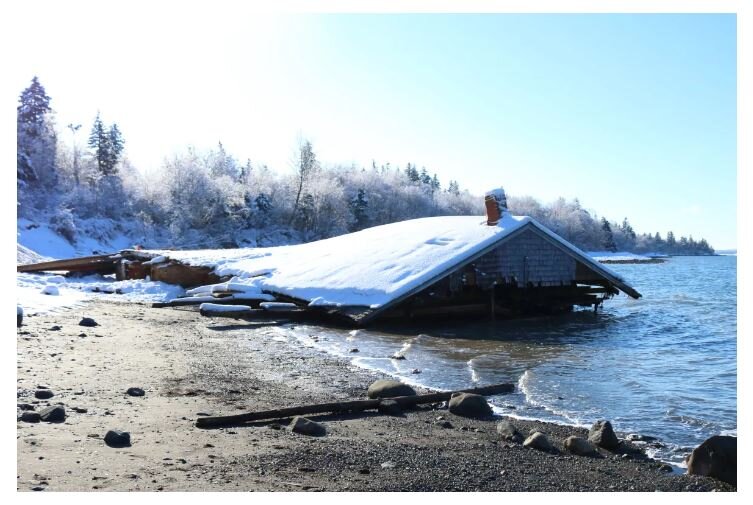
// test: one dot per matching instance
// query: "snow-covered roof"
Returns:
(373, 267)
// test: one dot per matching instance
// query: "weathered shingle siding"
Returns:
(526, 258)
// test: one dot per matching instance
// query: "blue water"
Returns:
(664, 365)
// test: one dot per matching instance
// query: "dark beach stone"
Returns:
(117, 438)
(469, 405)
(388, 389)
(25, 406)
(580, 447)
(135, 392)
(55, 328)
(53, 414)
(80, 410)
(88, 321)
(355, 349)
(716, 457)
(415, 371)
(538, 440)
(30, 417)
(390, 407)
(602, 434)
(43, 394)
(305, 426)
(666, 468)
(509, 432)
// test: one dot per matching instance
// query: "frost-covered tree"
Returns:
(36, 142)
(305, 164)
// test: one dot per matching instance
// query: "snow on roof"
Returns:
(367, 268)
(372, 267)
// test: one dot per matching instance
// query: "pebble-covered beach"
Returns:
(150, 373)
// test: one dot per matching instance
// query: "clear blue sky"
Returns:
(633, 114)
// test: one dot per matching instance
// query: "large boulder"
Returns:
(716, 457)
(580, 447)
(509, 432)
(389, 389)
(538, 440)
(469, 405)
(602, 434)
(305, 426)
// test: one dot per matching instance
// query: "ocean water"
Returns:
(664, 365)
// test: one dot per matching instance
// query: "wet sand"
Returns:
(191, 366)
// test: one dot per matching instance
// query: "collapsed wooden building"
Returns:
(449, 266)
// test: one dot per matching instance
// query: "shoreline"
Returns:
(191, 366)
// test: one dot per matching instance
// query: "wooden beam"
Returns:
(349, 406)
(83, 264)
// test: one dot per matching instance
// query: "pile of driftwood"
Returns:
(345, 407)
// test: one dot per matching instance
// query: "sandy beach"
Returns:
(191, 366)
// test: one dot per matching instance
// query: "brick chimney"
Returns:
(496, 206)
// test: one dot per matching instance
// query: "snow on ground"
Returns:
(69, 292)
(368, 268)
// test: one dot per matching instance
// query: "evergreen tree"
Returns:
(424, 177)
(608, 238)
(412, 173)
(107, 144)
(453, 188)
(435, 186)
(671, 242)
(33, 107)
(36, 141)
(359, 205)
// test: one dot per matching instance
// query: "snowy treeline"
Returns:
(211, 199)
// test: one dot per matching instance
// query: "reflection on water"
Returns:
(664, 365)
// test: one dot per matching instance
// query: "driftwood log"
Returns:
(349, 406)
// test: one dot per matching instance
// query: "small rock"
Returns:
(716, 457)
(55, 328)
(88, 321)
(25, 406)
(415, 371)
(538, 441)
(43, 394)
(580, 447)
(135, 392)
(53, 414)
(602, 434)
(390, 407)
(82, 335)
(117, 438)
(80, 410)
(666, 468)
(354, 350)
(444, 424)
(31, 417)
(364, 471)
(635, 437)
(305, 426)
(509, 432)
(388, 389)
(387, 465)
(469, 405)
